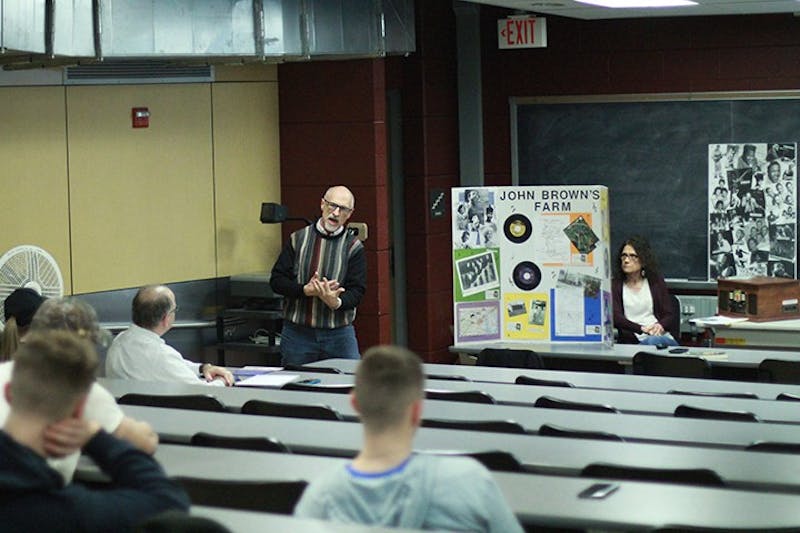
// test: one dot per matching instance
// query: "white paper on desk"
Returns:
(716, 320)
(274, 381)
(714, 355)
(263, 369)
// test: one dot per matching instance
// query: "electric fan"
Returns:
(31, 267)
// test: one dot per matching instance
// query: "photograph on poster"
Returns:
(590, 284)
(516, 308)
(474, 220)
(580, 234)
(538, 312)
(477, 273)
(476, 321)
(751, 205)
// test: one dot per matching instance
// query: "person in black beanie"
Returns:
(18, 310)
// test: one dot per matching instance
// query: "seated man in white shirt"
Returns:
(140, 353)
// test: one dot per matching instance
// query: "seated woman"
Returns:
(642, 306)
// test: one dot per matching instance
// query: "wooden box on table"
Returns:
(759, 299)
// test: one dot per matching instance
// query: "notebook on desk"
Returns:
(268, 380)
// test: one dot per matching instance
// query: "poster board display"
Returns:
(531, 264)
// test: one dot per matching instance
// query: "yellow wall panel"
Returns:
(247, 170)
(34, 197)
(255, 72)
(142, 202)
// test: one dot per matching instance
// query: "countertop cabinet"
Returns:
(246, 329)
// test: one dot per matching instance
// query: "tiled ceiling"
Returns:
(573, 9)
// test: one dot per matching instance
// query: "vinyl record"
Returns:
(517, 228)
(527, 276)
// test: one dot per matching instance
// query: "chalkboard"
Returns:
(652, 155)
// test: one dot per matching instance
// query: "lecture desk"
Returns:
(633, 428)
(774, 334)
(742, 358)
(589, 380)
(506, 394)
(535, 499)
(548, 455)
(249, 521)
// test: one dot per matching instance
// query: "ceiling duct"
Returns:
(214, 31)
(22, 27)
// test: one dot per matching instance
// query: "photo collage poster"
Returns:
(531, 264)
(752, 210)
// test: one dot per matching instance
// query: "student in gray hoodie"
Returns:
(387, 484)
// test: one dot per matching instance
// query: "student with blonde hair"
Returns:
(50, 383)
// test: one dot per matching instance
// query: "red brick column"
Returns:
(333, 131)
(430, 149)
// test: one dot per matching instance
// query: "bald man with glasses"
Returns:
(321, 273)
(140, 353)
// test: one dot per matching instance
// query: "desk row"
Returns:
(625, 402)
(590, 380)
(535, 499)
(512, 418)
(567, 456)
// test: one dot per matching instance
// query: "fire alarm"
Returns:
(140, 117)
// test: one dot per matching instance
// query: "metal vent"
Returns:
(137, 72)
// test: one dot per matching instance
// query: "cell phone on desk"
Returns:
(309, 382)
(678, 350)
(598, 491)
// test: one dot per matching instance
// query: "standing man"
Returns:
(140, 353)
(321, 273)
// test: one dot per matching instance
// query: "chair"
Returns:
(196, 402)
(549, 402)
(687, 476)
(448, 377)
(675, 328)
(650, 364)
(549, 430)
(179, 522)
(291, 410)
(779, 371)
(527, 380)
(258, 444)
(267, 496)
(339, 389)
(741, 395)
(494, 426)
(509, 358)
(688, 411)
(472, 396)
(680, 528)
(771, 446)
(494, 460)
(786, 397)
(317, 369)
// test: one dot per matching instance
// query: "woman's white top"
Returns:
(638, 305)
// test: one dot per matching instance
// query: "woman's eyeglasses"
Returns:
(632, 257)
